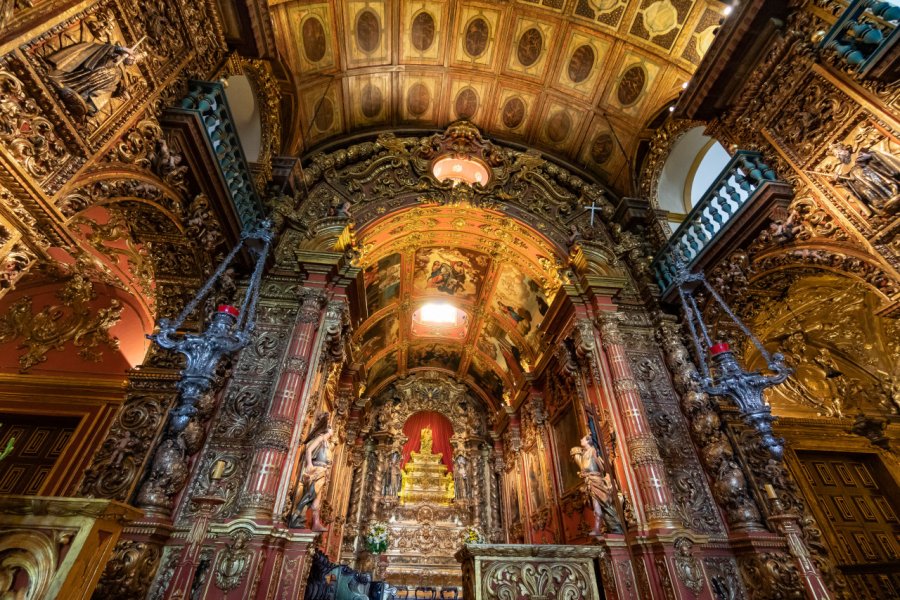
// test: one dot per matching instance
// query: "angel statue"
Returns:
(599, 487)
(316, 465)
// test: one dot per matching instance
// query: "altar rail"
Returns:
(745, 178)
(864, 33)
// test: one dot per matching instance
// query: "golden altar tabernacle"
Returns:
(425, 478)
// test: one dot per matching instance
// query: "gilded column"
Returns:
(646, 462)
(273, 440)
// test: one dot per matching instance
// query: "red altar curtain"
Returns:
(441, 430)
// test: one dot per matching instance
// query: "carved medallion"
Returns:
(371, 101)
(368, 31)
(466, 103)
(423, 31)
(530, 45)
(324, 115)
(478, 34)
(581, 63)
(558, 126)
(513, 112)
(602, 148)
(314, 41)
(631, 85)
(418, 98)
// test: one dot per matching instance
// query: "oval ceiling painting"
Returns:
(466, 103)
(324, 115)
(631, 85)
(530, 45)
(368, 30)
(513, 112)
(314, 43)
(422, 31)
(371, 100)
(602, 148)
(558, 126)
(478, 34)
(417, 99)
(581, 63)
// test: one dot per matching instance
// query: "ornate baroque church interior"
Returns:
(377, 299)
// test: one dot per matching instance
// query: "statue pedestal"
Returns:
(537, 572)
(63, 544)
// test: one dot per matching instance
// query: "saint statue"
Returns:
(88, 74)
(393, 476)
(599, 487)
(427, 442)
(873, 177)
(460, 476)
(316, 464)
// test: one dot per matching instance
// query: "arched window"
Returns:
(693, 164)
(245, 112)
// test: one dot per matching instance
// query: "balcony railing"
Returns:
(742, 180)
(864, 33)
(207, 99)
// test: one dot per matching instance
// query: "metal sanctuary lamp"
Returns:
(721, 373)
(228, 332)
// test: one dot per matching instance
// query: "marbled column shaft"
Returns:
(273, 440)
(646, 462)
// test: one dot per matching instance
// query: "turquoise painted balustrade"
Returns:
(207, 99)
(864, 32)
(729, 195)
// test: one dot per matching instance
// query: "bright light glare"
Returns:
(438, 313)
(727, 10)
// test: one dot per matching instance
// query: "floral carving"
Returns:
(73, 320)
(537, 580)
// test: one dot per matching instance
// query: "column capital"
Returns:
(609, 321)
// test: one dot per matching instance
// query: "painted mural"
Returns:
(382, 368)
(455, 272)
(497, 344)
(434, 355)
(383, 333)
(485, 378)
(520, 302)
(382, 282)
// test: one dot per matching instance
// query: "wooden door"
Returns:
(857, 501)
(39, 442)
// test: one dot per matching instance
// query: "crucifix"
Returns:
(593, 208)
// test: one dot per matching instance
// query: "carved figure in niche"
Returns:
(123, 448)
(316, 465)
(89, 74)
(427, 441)
(460, 478)
(393, 479)
(873, 178)
(233, 562)
(599, 487)
(686, 566)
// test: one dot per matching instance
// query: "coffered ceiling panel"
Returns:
(578, 79)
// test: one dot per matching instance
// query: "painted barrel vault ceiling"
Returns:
(578, 79)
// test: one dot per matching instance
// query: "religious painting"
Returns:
(560, 124)
(520, 302)
(632, 84)
(383, 333)
(497, 344)
(370, 104)
(382, 368)
(322, 107)
(476, 33)
(455, 272)
(419, 96)
(532, 47)
(367, 44)
(469, 97)
(485, 378)
(581, 69)
(434, 355)
(422, 24)
(513, 110)
(313, 49)
(537, 477)
(567, 435)
(382, 281)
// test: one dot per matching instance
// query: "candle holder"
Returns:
(228, 332)
(721, 374)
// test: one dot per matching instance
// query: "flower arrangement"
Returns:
(377, 537)
(472, 536)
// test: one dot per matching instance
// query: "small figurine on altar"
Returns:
(599, 487)
(316, 465)
(392, 481)
(427, 441)
(451, 491)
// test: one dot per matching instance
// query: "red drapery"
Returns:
(441, 430)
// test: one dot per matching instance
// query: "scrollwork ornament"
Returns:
(233, 561)
(687, 567)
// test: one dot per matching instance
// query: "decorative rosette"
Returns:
(377, 537)
(472, 536)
